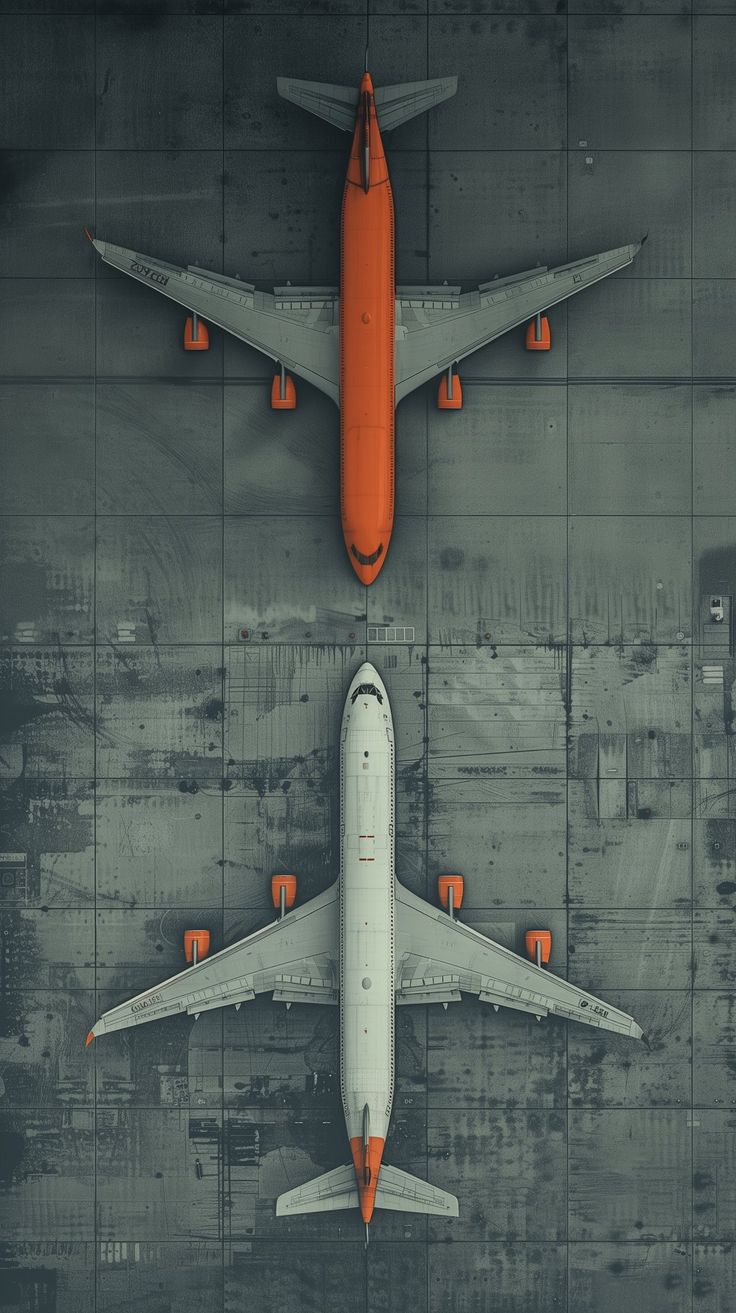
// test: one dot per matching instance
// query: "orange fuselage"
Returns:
(367, 332)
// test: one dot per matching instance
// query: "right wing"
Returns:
(440, 958)
(296, 957)
(296, 326)
(436, 326)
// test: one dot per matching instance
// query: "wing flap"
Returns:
(432, 338)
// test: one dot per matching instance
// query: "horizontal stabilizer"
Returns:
(396, 1190)
(333, 1190)
(409, 1194)
(394, 105)
(335, 104)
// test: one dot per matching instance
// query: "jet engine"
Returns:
(538, 946)
(196, 334)
(450, 890)
(196, 945)
(283, 391)
(538, 336)
(283, 893)
(450, 391)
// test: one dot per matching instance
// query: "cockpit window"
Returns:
(368, 690)
(367, 560)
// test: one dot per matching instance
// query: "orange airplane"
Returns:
(369, 343)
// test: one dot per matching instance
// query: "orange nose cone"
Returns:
(90, 1037)
(366, 83)
(367, 564)
(366, 573)
(367, 1163)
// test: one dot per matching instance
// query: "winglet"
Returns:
(88, 234)
(90, 1037)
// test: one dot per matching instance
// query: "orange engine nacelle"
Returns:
(538, 946)
(450, 890)
(283, 392)
(538, 336)
(450, 392)
(196, 335)
(283, 892)
(196, 945)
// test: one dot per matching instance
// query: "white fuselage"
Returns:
(367, 906)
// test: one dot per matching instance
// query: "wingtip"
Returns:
(88, 235)
(90, 1037)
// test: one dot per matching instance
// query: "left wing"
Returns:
(438, 958)
(296, 326)
(436, 326)
(296, 957)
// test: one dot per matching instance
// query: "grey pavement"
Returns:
(179, 623)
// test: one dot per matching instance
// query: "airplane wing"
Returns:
(296, 326)
(296, 957)
(437, 326)
(438, 958)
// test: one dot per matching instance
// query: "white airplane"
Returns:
(369, 944)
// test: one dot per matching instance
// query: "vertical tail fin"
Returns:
(394, 105)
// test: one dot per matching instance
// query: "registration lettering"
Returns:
(145, 1003)
(594, 1007)
(148, 272)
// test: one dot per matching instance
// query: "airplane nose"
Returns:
(367, 565)
(367, 573)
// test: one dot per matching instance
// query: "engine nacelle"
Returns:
(538, 336)
(283, 892)
(283, 392)
(450, 391)
(196, 945)
(196, 334)
(450, 889)
(538, 946)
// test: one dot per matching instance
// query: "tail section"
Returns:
(394, 105)
(396, 1190)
